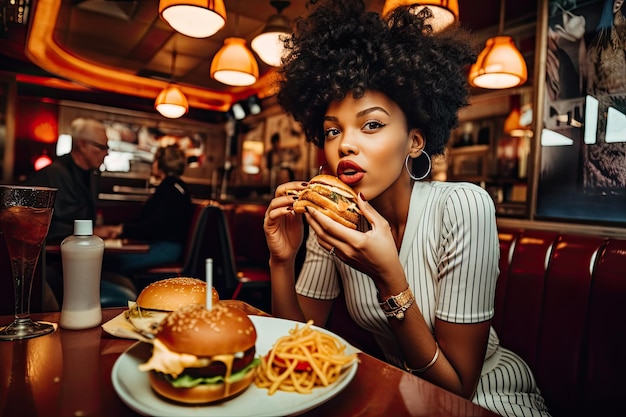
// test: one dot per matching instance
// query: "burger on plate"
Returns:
(160, 298)
(331, 196)
(203, 356)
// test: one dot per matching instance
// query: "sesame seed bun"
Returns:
(160, 298)
(201, 332)
(173, 293)
(224, 335)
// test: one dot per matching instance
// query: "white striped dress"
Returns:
(450, 256)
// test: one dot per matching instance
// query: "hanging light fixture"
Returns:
(500, 64)
(445, 12)
(194, 18)
(234, 64)
(268, 44)
(172, 102)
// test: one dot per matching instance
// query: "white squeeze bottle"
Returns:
(81, 255)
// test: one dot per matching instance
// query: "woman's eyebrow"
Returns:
(372, 109)
(360, 114)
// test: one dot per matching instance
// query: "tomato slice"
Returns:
(300, 366)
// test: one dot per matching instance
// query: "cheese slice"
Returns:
(172, 363)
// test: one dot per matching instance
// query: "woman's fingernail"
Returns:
(289, 208)
(361, 196)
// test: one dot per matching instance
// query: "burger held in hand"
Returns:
(160, 298)
(331, 196)
(203, 356)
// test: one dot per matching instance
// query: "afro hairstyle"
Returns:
(341, 48)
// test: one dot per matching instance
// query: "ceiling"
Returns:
(76, 39)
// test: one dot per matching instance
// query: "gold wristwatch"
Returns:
(396, 305)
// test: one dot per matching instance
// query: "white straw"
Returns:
(209, 283)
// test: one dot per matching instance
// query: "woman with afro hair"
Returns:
(380, 95)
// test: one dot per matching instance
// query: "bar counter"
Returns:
(68, 373)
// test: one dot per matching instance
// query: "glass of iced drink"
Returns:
(25, 214)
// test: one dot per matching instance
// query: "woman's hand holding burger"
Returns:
(373, 252)
(325, 193)
(284, 231)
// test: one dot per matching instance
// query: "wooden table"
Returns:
(68, 373)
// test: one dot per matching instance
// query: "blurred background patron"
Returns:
(76, 177)
(164, 219)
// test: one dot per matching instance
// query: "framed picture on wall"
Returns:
(583, 139)
(289, 155)
(134, 137)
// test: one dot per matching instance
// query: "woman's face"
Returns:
(366, 142)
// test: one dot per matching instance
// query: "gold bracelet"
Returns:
(427, 367)
(396, 305)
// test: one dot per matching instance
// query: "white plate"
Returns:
(134, 389)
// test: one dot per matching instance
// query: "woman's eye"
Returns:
(331, 132)
(373, 125)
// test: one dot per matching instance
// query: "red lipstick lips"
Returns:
(349, 172)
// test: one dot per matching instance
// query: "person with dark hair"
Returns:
(164, 219)
(379, 95)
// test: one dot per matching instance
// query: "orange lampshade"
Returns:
(194, 18)
(234, 64)
(445, 12)
(499, 65)
(171, 102)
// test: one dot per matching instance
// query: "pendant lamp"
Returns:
(445, 12)
(500, 65)
(234, 64)
(194, 18)
(172, 102)
(268, 44)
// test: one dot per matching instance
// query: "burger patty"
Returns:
(335, 209)
(216, 368)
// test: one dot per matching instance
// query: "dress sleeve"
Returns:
(470, 251)
(318, 277)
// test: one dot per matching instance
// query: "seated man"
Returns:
(75, 176)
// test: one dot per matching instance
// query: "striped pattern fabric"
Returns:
(450, 253)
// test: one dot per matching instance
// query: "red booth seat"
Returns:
(558, 304)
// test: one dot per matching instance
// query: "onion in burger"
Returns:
(331, 196)
(160, 298)
(202, 356)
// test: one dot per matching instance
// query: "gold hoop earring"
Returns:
(406, 165)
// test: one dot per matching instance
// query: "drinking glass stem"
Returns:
(23, 274)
